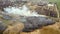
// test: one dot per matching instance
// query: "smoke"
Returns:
(23, 11)
(33, 20)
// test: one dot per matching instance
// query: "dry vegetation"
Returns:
(14, 28)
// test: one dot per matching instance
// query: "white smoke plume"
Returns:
(24, 11)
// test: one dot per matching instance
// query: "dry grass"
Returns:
(14, 29)
(52, 29)
(34, 32)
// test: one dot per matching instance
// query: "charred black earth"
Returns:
(32, 23)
